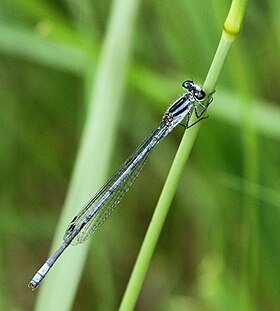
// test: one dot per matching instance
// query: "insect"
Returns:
(100, 206)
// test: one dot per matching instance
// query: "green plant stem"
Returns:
(232, 27)
(156, 224)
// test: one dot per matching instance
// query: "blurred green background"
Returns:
(220, 247)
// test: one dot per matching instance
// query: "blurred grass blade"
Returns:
(3, 282)
(254, 190)
(58, 289)
(26, 44)
(39, 9)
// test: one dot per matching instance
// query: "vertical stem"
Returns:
(59, 288)
(231, 29)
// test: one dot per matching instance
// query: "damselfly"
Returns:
(97, 210)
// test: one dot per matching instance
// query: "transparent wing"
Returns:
(107, 208)
(127, 179)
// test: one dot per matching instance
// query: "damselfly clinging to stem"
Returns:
(96, 211)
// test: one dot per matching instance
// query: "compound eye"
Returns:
(201, 95)
(187, 84)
